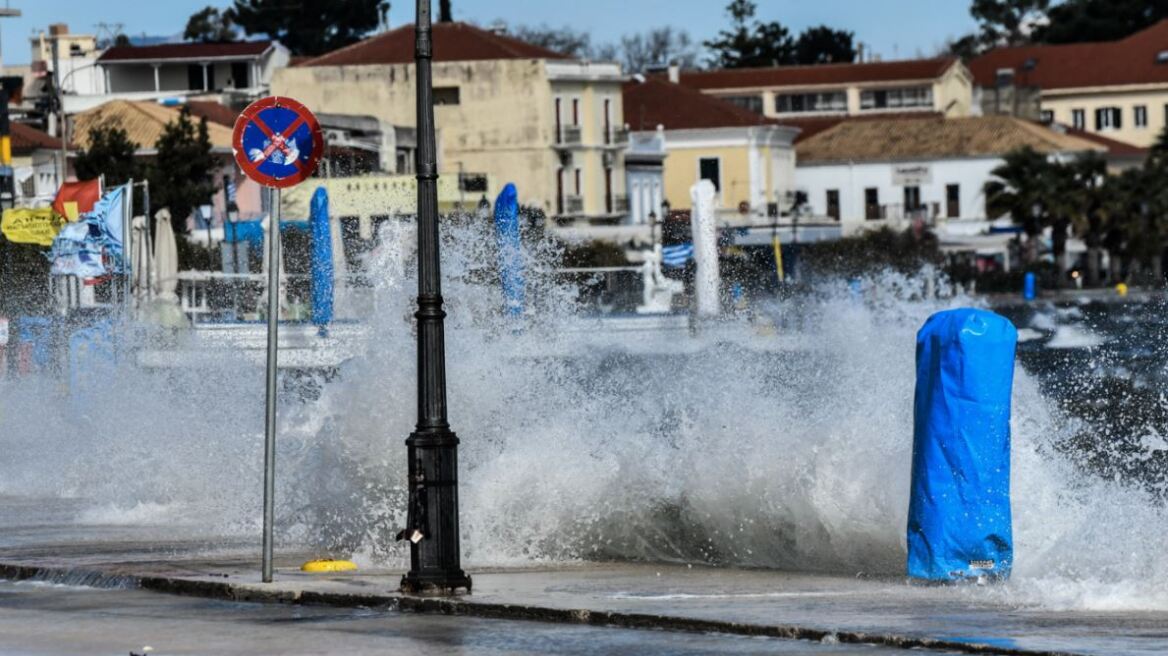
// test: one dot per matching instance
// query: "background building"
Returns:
(506, 111)
(1118, 89)
(941, 85)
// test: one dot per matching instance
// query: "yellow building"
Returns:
(1117, 89)
(940, 85)
(504, 109)
(749, 159)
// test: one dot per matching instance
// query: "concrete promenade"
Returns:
(839, 610)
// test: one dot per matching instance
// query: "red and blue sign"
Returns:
(277, 142)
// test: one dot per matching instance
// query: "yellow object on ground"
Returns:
(328, 565)
(1121, 289)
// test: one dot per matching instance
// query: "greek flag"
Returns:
(230, 190)
(677, 255)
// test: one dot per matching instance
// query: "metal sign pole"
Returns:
(270, 400)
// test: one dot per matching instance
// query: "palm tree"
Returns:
(1087, 197)
(1021, 188)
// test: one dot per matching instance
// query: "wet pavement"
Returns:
(38, 618)
(589, 607)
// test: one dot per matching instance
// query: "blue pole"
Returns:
(322, 260)
(1029, 286)
(959, 522)
(510, 251)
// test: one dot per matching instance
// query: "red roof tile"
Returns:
(185, 51)
(214, 112)
(1131, 60)
(660, 102)
(1114, 148)
(812, 125)
(452, 42)
(819, 74)
(26, 139)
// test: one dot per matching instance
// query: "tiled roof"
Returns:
(26, 138)
(660, 102)
(143, 122)
(1114, 147)
(819, 74)
(452, 42)
(214, 112)
(240, 49)
(1132, 60)
(934, 138)
(810, 126)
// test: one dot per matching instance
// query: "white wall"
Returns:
(852, 179)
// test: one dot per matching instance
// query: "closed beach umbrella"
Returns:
(165, 258)
(141, 253)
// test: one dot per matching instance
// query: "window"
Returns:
(559, 186)
(559, 125)
(578, 172)
(872, 203)
(904, 98)
(833, 207)
(710, 168)
(832, 101)
(953, 201)
(751, 103)
(446, 95)
(607, 121)
(1047, 116)
(1079, 118)
(1108, 118)
(1004, 77)
(608, 190)
(240, 75)
(195, 79)
(912, 199)
(1140, 117)
(575, 111)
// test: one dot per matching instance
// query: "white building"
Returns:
(866, 174)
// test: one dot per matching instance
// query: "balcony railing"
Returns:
(570, 135)
(617, 136)
(573, 205)
(618, 205)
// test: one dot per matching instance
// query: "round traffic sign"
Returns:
(277, 142)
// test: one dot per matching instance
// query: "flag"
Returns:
(676, 255)
(76, 198)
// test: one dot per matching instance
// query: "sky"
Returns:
(893, 29)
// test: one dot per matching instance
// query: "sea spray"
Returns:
(648, 445)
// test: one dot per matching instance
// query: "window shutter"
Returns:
(1098, 120)
(1117, 114)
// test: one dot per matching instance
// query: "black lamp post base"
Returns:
(436, 584)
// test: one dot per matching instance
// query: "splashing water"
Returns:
(646, 445)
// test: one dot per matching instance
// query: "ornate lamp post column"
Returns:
(432, 449)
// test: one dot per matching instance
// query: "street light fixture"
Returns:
(432, 449)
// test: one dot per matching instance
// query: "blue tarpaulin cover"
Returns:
(959, 522)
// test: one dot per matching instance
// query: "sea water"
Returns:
(652, 445)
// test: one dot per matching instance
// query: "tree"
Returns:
(659, 46)
(748, 43)
(1007, 22)
(1019, 187)
(182, 175)
(823, 45)
(208, 25)
(110, 153)
(309, 27)
(564, 40)
(1075, 21)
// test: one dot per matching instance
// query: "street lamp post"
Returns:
(432, 449)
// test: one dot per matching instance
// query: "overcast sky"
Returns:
(890, 28)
